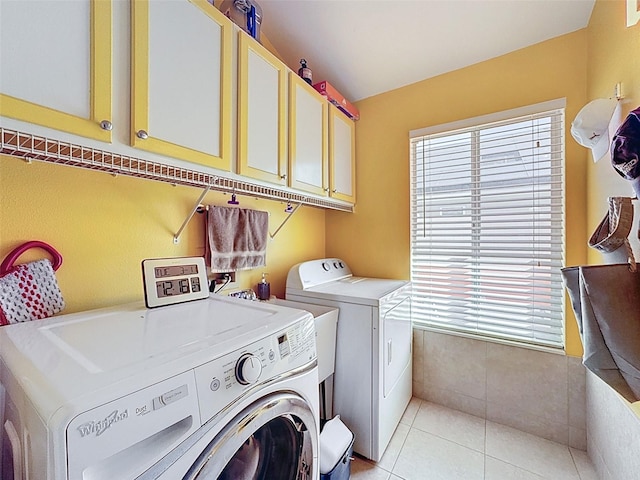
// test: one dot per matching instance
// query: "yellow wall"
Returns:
(104, 226)
(614, 56)
(375, 240)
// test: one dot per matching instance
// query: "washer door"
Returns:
(274, 438)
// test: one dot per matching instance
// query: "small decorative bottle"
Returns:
(264, 288)
(305, 72)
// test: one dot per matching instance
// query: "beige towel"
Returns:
(236, 238)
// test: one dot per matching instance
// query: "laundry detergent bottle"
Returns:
(264, 288)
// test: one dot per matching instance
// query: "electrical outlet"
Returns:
(222, 277)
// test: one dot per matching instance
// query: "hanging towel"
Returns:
(236, 238)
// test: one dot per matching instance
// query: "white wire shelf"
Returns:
(34, 147)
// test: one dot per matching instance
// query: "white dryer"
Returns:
(205, 389)
(373, 366)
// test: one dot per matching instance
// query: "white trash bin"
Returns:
(336, 450)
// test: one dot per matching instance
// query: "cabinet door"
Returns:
(56, 65)
(181, 81)
(308, 127)
(342, 157)
(261, 113)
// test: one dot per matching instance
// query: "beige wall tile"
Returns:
(514, 416)
(576, 381)
(534, 381)
(613, 432)
(597, 461)
(455, 400)
(419, 389)
(583, 465)
(418, 343)
(455, 363)
(578, 438)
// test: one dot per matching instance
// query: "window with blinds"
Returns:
(487, 226)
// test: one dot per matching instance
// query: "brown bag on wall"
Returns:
(606, 301)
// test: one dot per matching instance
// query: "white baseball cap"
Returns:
(591, 126)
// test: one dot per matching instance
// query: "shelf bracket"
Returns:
(28, 147)
(176, 237)
(272, 235)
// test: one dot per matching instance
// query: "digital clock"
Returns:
(174, 280)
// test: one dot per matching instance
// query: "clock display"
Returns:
(175, 271)
(174, 280)
(168, 288)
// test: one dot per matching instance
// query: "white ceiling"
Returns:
(366, 47)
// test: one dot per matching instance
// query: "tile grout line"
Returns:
(405, 438)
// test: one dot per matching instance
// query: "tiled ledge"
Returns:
(536, 392)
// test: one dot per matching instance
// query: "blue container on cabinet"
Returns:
(247, 14)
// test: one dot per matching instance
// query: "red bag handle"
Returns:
(7, 263)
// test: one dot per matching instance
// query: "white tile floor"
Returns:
(433, 442)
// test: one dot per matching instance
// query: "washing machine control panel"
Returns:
(221, 381)
(248, 369)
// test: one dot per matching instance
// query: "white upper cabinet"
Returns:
(181, 81)
(308, 138)
(56, 65)
(342, 156)
(261, 113)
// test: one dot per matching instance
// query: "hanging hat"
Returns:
(625, 150)
(591, 126)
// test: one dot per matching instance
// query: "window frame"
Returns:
(555, 110)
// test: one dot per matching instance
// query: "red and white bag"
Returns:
(29, 291)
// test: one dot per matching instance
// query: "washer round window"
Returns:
(275, 438)
(274, 451)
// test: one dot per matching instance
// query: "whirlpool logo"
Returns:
(98, 427)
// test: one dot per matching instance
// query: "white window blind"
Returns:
(487, 228)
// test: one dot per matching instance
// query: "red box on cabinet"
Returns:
(327, 90)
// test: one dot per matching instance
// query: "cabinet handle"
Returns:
(143, 135)
(106, 125)
(326, 190)
(334, 190)
(283, 177)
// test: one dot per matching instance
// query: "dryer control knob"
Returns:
(248, 369)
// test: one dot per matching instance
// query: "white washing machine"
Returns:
(218, 388)
(373, 366)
